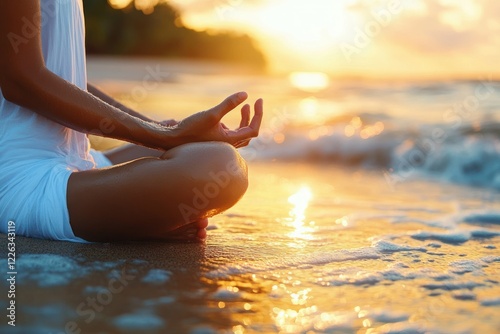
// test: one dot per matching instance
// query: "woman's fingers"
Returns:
(245, 116)
(257, 117)
(248, 128)
(228, 104)
(252, 130)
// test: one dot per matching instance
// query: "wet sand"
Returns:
(55, 278)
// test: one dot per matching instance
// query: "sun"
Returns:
(147, 6)
(301, 36)
(311, 82)
(305, 26)
(295, 35)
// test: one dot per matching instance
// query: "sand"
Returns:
(54, 278)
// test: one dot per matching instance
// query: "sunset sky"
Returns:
(375, 38)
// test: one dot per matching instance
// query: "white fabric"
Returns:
(37, 155)
(101, 160)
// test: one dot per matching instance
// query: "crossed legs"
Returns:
(164, 198)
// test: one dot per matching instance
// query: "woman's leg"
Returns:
(156, 198)
(195, 231)
(129, 152)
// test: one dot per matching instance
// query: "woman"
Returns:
(51, 183)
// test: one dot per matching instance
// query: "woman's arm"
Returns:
(26, 81)
(111, 101)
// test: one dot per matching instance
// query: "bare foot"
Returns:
(193, 232)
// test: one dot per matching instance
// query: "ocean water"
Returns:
(441, 130)
(373, 207)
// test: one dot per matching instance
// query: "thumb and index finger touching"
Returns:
(248, 129)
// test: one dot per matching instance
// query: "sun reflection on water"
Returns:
(365, 131)
(311, 82)
(300, 201)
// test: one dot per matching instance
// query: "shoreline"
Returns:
(98, 63)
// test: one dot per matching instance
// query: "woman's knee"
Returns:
(227, 169)
(204, 160)
(218, 177)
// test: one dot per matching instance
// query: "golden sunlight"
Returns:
(300, 201)
(295, 35)
(365, 131)
(119, 4)
(311, 82)
(147, 6)
(412, 39)
(304, 26)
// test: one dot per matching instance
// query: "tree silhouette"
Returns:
(129, 31)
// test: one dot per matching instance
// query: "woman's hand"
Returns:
(207, 126)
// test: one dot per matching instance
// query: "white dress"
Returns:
(37, 155)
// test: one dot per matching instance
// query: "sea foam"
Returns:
(467, 155)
